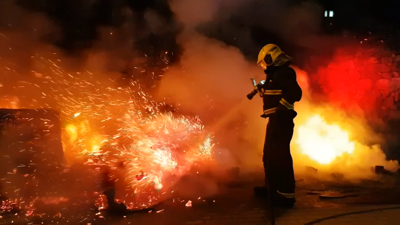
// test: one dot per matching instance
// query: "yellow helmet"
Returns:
(269, 54)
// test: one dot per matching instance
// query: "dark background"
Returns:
(79, 28)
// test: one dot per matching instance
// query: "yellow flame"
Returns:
(323, 142)
(89, 145)
(96, 142)
(72, 132)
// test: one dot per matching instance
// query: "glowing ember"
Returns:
(117, 127)
(128, 132)
(9, 206)
(323, 142)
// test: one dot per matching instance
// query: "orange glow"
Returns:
(334, 140)
(9, 102)
(323, 142)
(72, 132)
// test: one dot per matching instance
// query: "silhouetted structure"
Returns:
(31, 150)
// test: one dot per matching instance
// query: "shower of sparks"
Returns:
(117, 127)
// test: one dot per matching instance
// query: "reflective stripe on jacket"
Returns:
(281, 90)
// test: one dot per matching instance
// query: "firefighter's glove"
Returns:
(260, 85)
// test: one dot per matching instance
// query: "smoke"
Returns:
(17, 51)
(243, 23)
(36, 73)
(29, 66)
(212, 79)
(26, 47)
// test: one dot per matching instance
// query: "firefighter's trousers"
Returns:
(277, 159)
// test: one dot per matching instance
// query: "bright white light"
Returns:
(326, 13)
(331, 13)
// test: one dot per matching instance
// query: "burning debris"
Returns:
(188, 204)
(119, 128)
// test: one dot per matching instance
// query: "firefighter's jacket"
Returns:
(280, 90)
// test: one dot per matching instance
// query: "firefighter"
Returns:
(280, 91)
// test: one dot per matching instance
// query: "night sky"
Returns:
(80, 25)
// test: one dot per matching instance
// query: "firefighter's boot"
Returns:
(282, 201)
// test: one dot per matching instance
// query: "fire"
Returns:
(323, 142)
(72, 132)
(163, 146)
(10, 102)
(106, 125)
(334, 139)
(334, 147)
(151, 145)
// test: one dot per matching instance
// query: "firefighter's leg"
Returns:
(263, 190)
(282, 161)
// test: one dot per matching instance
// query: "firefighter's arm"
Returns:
(291, 91)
